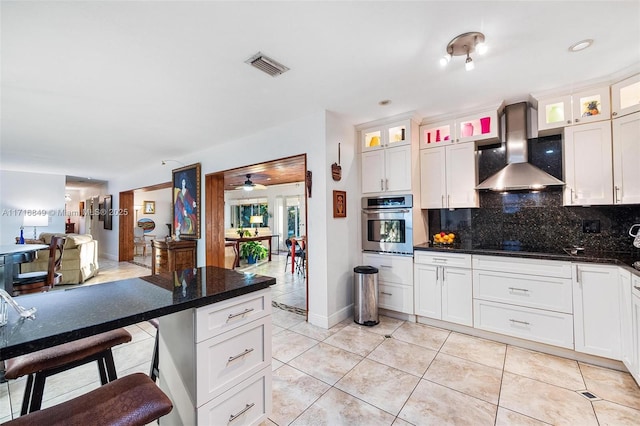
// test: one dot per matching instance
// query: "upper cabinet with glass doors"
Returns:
(386, 136)
(557, 112)
(625, 96)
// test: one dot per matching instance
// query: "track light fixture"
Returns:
(465, 44)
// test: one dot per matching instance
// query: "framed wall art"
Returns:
(186, 201)
(101, 212)
(339, 204)
(108, 212)
(149, 207)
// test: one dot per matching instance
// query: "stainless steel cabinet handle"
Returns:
(577, 120)
(387, 184)
(577, 274)
(614, 113)
(617, 188)
(437, 273)
(240, 355)
(386, 294)
(246, 311)
(518, 289)
(444, 275)
(381, 184)
(448, 200)
(241, 412)
(568, 121)
(442, 200)
(519, 322)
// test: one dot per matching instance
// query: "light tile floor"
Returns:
(396, 373)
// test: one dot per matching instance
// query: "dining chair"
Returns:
(301, 256)
(39, 281)
(139, 240)
(299, 252)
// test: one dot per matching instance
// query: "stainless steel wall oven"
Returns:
(387, 224)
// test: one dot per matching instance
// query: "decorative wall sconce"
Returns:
(465, 44)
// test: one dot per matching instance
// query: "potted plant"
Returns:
(253, 251)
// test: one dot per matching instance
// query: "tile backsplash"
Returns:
(538, 221)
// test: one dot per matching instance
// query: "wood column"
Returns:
(214, 219)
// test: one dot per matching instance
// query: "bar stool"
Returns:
(154, 372)
(47, 362)
(132, 400)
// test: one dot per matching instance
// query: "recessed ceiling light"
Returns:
(384, 102)
(581, 45)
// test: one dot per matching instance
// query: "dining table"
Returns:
(239, 240)
(11, 256)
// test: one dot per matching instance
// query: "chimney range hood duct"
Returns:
(518, 174)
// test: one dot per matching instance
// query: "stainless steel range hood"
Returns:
(518, 174)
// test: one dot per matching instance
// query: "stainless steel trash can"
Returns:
(365, 295)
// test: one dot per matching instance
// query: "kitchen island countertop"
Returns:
(69, 314)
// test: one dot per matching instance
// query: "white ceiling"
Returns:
(92, 80)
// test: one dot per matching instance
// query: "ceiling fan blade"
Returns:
(259, 186)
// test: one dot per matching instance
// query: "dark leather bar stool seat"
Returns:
(47, 362)
(132, 400)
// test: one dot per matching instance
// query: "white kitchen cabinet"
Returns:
(635, 328)
(626, 159)
(625, 96)
(386, 170)
(386, 135)
(226, 374)
(588, 172)
(596, 310)
(395, 281)
(448, 177)
(562, 110)
(626, 320)
(443, 287)
(525, 298)
(478, 127)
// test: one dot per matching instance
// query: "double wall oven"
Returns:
(387, 224)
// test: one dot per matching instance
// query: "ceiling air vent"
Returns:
(266, 64)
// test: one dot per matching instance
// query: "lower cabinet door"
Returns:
(549, 327)
(427, 291)
(457, 296)
(248, 403)
(395, 297)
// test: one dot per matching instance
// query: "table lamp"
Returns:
(35, 221)
(257, 220)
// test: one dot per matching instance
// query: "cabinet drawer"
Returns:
(458, 260)
(391, 269)
(396, 297)
(548, 327)
(547, 268)
(231, 357)
(548, 293)
(249, 403)
(221, 317)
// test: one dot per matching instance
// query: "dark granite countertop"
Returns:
(69, 314)
(624, 259)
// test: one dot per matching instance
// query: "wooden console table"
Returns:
(238, 240)
(168, 256)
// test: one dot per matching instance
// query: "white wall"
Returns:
(332, 243)
(20, 191)
(163, 214)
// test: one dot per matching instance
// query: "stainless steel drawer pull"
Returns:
(439, 260)
(241, 412)
(519, 322)
(386, 294)
(246, 351)
(246, 311)
(386, 266)
(518, 289)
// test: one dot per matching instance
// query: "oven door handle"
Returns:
(376, 212)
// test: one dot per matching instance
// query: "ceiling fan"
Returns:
(250, 186)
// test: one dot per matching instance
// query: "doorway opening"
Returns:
(275, 206)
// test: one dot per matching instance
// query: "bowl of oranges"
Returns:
(443, 238)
